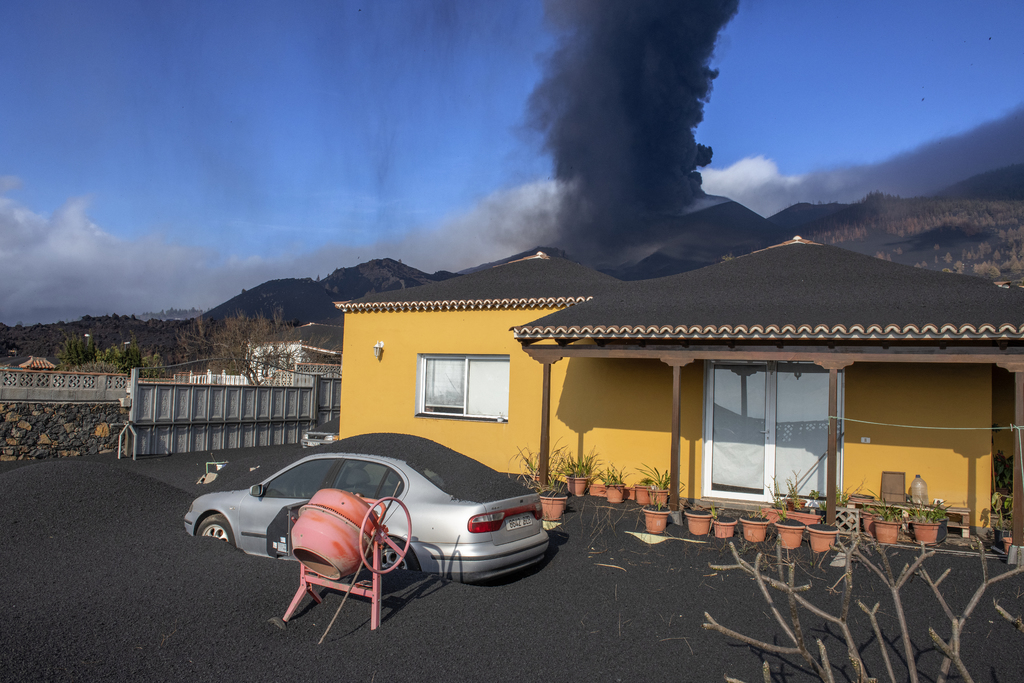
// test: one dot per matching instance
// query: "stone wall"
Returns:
(52, 430)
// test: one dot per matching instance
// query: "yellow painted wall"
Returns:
(381, 396)
(955, 464)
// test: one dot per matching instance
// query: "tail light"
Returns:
(491, 521)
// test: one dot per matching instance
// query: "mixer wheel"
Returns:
(216, 526)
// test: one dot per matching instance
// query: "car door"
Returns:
(291, 486)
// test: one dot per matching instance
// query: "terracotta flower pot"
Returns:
(867, 520)
(886, 532)
(791, 533)
(598, 490)
(823, 536)
(616, 493)
(926, 532)
(725, 527)
(770, 514)
(641, 494)
(660, 495)
(552, 507)
(808, 518)
(576, 485)
(698, 522)
(656, 520)
(1007, 541)
(754, 530)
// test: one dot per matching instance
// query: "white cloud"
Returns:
(63, 266)
(757, 183)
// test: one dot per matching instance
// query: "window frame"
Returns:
(421, 383)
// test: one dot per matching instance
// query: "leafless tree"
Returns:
(796, 601)
(246, 346)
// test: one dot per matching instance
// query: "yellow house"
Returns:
(802, 362)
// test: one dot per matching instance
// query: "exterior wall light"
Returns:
(378, 350)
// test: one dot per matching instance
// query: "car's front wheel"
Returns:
(216, 526)
(388, 557)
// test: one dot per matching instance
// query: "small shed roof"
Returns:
(537, 281)
(797, 290)
(37, 363)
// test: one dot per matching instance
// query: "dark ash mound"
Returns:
(464, 478)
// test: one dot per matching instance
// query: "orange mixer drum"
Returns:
(325, 537)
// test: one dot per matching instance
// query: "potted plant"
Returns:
(597, 484)
(642, 491)
(886, 523)
(926, 520)
(553, 498)
(725, 527)
(791, 531)
(1001, 518)
(656, 517)
(579, 470)
(755, 526)
(613, 479)
(822, 536)
(659, 482)
(778, 506)
(795, 505)
(698, 522)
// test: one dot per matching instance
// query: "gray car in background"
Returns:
(465, 541)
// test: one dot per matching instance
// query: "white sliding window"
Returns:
(466, 386)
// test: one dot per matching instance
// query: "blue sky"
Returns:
(169, 154)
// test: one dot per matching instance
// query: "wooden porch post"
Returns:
(677, 406)
(1016, 551)
(545, 424)
(1016, 554)
(832, 460)
(677, 390)
(833, 446)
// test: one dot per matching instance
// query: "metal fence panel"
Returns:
(183, 418)
(328, 399)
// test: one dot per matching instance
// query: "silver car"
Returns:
(465, 541)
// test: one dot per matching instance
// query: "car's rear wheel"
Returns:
(216, 526)
(388, 557)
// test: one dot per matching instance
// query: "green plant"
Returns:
(656, 504)
(842, 498)
(927, 514)
(1002, 471)
(613, 476)
(1001, 512)
(655, 477)
(528, 464)
(814, 495)
(794, 494)
(778, 499)
(887, 512)
(582, 466)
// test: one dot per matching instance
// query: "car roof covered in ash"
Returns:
(458, 475)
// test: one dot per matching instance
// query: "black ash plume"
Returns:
(618, 104)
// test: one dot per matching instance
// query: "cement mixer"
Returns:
(338, 533)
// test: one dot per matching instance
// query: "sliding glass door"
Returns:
(764, 422)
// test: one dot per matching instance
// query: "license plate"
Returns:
(518, 522)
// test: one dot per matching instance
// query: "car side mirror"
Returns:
(256, 491)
